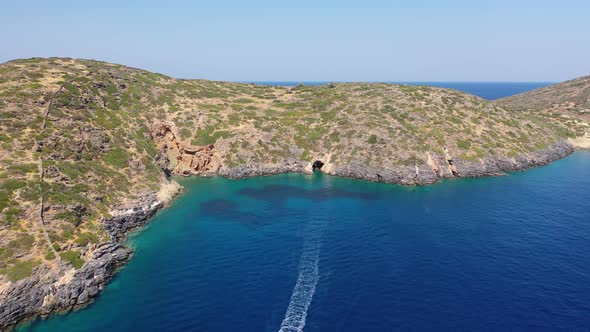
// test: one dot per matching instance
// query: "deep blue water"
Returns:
(497, 254)
(486, 90)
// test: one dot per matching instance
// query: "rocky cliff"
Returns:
(47, 291)
(181, 157)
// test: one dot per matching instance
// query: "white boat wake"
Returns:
(308, 278)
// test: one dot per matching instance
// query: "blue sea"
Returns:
(318, 253)
(486, 90)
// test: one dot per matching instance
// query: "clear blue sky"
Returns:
(301, 40)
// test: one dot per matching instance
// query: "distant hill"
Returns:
(566, 103)
(572, 94)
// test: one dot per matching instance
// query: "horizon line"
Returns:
(378, 81)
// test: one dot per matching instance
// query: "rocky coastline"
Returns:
(63, 288)
(438, 167)
(47, 292)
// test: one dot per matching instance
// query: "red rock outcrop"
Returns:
(183, 158)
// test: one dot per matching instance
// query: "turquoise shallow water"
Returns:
(333, 254)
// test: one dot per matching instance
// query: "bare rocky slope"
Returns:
(88, 149)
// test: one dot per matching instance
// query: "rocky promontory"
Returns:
(63, 286)
(46, 292)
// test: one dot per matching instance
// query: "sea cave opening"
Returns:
(317, 165)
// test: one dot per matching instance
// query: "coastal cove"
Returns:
(491, 253)
(299, 166)
(91, 148)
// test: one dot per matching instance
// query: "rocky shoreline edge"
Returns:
(47, 292)
(438, 166)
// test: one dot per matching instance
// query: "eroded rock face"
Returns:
(408, 175)
(287, 165)
(183, 158)
(132, 215)
(500, 165)
(62, 289)
(436, 168)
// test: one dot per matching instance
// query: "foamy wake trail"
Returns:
(307, 280)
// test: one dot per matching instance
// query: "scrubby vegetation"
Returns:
(78, 135)
(20, 269)
(72, 257)
(566, 105)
